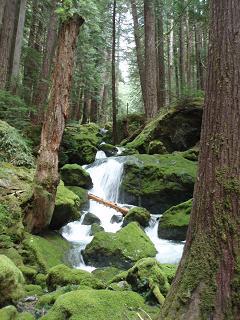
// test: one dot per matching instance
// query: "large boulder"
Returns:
(97, 304)
(80, 144)
(62, 275)
(174, 222)
(46, 251)
(140, 215)
(11, 281)
(121, 249)
(75, 175)
(158, 182)
(90, 219)
(177, 128)
(67, 208)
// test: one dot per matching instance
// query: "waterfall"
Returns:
(106, 174)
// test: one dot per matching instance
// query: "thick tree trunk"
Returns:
(18, 46)
(208, 278)
(139, 49)
(41, 91)
(114, 100)
(86, 108)
(47, 177)
(6, 40)
(151, 104)
(2, 8)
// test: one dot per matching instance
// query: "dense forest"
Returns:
(120, 159)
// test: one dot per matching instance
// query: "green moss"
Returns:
(47, 251)
(140, 215)
(13, 255)
(95, 228)
(41, 279)
(109, 149)
(29, 273)
(11, 281)
(100, 304)
(67, 207)
(8, 313)
(81, 193)
(174, 222)
(170, 271)
(61, 275)
(121, 249)
(80, 143)
(75, 175)
(156, 147)
(25, 316)
(106, 274)
(158, 181)
(32, 289)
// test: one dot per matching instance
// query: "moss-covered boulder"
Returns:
(158, 182)
(121, 249)
(174, 222)
(156, 147)
(140, 215)
(95, 228)
(46, 251)
(81, 193)
(67, 208)
(62, 275)
(75, 175)
(80, 144)
(96, 304)
(14, 148)
(109, 149)
(11, 313)
(178, 128)
(106, 274)
(90, 219)
(11, 281)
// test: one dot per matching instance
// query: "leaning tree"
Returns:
(47, 178)
(207, 284)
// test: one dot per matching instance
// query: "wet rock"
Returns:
(121, 249)
(109, 149)
(116, 218)
(140, 215)
(75, 175)
(158, 182)
(174, 222)
(90, 219)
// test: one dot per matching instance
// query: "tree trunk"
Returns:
(41, 91)
(18, 46)
(161, 62)
(114, 100)
(86, 108)
(199, 65)
(207, 281)
(181, 54)
(2, 8)
(176, 65)
(6, 40)
(93, 110)
(47, 177)
(139, 49)
(151, 104)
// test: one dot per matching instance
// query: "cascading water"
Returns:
(106, 174)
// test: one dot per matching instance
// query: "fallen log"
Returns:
(110, 204)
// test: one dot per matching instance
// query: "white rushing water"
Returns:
(106, 174)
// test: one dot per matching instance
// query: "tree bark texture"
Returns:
(47, 177)
(139, 48)
(114, 100)
(207, 283)
(6, 40)
(18, 46)
(2, 8)
(151, 102)
(41, 91)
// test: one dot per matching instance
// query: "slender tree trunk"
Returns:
(6, 40)
(198, 47)
(170, 61)
(176, 65)
(94, 110)
(114, 100)
(151, 104)
(18, 46)
(47, 177)
(207, 281)
(86, 108)
(161, 62)
(181, 55)
(139, 49)
(41, 91)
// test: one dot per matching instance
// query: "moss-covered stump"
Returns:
(75, 175)
(174, 222)
(80, 144)
(109, 149)
(13, 147)
(62, 275)
(11, 281)
(45, 252)
(140, 215)
(158, 182)
(96, 304)
(178, 128)
(67, 208)
(121, 249)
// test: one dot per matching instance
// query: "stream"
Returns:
(106, 174)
